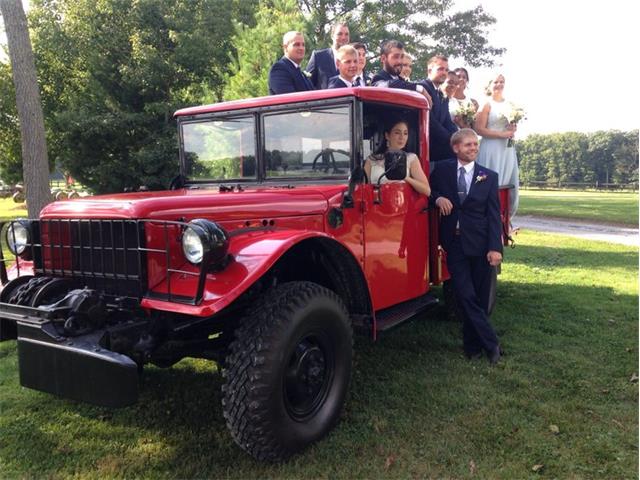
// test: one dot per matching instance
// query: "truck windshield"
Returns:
(220, 149)
(308, 144)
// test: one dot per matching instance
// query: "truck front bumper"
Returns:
(77, 368)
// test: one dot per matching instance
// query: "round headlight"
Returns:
(203, 239)
(192, 244)
(17, 237)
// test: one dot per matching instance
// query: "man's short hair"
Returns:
(386, 46)
(435, 58)
(289, 36)
(461, 134)
(347, 50)
(336, 26)
(359, 46)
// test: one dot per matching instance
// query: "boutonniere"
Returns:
(306, 74)
(482, 176)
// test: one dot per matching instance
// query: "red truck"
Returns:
(267, 251)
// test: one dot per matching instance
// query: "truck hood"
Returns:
(271, 202)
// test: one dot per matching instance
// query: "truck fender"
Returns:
(254, 252)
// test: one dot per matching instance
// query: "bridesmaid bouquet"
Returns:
(467, 113)
(514, 116)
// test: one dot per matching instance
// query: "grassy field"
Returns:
(10, 209)
(563, 401)
(605, 207)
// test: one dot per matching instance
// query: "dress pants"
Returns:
(471, 279)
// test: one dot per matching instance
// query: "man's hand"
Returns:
(445, 205)
(494, 258)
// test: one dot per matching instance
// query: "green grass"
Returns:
(567, 316)
(10, 209)
(604, 207)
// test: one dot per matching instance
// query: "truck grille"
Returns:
(105, 254)
(124, 258)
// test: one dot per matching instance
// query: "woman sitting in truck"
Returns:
(396, 139)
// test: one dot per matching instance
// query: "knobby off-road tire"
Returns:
(288, 370)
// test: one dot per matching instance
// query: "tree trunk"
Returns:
(35, 165)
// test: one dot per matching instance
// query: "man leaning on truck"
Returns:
(470, 232)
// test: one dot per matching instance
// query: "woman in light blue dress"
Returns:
(495, 153)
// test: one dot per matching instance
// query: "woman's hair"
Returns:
(488, 90)
(462, 69)
(388, 126)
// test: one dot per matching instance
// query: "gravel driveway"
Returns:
(577, 228)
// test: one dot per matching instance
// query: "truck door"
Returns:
(395, 223)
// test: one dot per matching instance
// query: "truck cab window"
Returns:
(311, 143)
(220, 149)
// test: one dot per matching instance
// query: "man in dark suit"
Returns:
(467, 196)
(362, 77)
(322, 64)
(441, 127)
(285, 75)
(347, 66)
(391, 57)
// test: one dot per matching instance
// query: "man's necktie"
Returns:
(356, 83)
(462, 185)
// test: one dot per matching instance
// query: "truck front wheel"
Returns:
(288, 370)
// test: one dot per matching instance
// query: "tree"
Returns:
(258, 47)
(10, 159)
(426, 27)
(35, 165)
(114, 71)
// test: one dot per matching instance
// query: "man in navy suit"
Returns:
(391, 56)
(322, 64)
(441, 127)
(362, 77)
(285, 75)
(470, 232)
(348, 68)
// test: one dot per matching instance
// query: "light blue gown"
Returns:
(495, 155)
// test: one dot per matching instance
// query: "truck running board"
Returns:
(392, 316)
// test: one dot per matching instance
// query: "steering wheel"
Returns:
(328, 159)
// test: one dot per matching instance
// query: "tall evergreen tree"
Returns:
(258, 47)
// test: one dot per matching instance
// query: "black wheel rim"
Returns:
(308, 376)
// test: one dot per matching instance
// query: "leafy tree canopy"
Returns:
(114, 71)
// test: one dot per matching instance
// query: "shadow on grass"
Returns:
(565, 345)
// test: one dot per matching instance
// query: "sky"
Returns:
(572, 65)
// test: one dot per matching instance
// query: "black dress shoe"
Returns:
(494, 355)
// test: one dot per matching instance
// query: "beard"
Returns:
(397, 70)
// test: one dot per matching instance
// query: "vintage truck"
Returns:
(267, 251)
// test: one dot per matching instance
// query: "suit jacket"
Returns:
(441, 127)
(385, 79)
(322, 66)
(337, 82)
(284, 77)
(479, 214)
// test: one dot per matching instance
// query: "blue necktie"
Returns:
(357, 82)
(462, 185)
